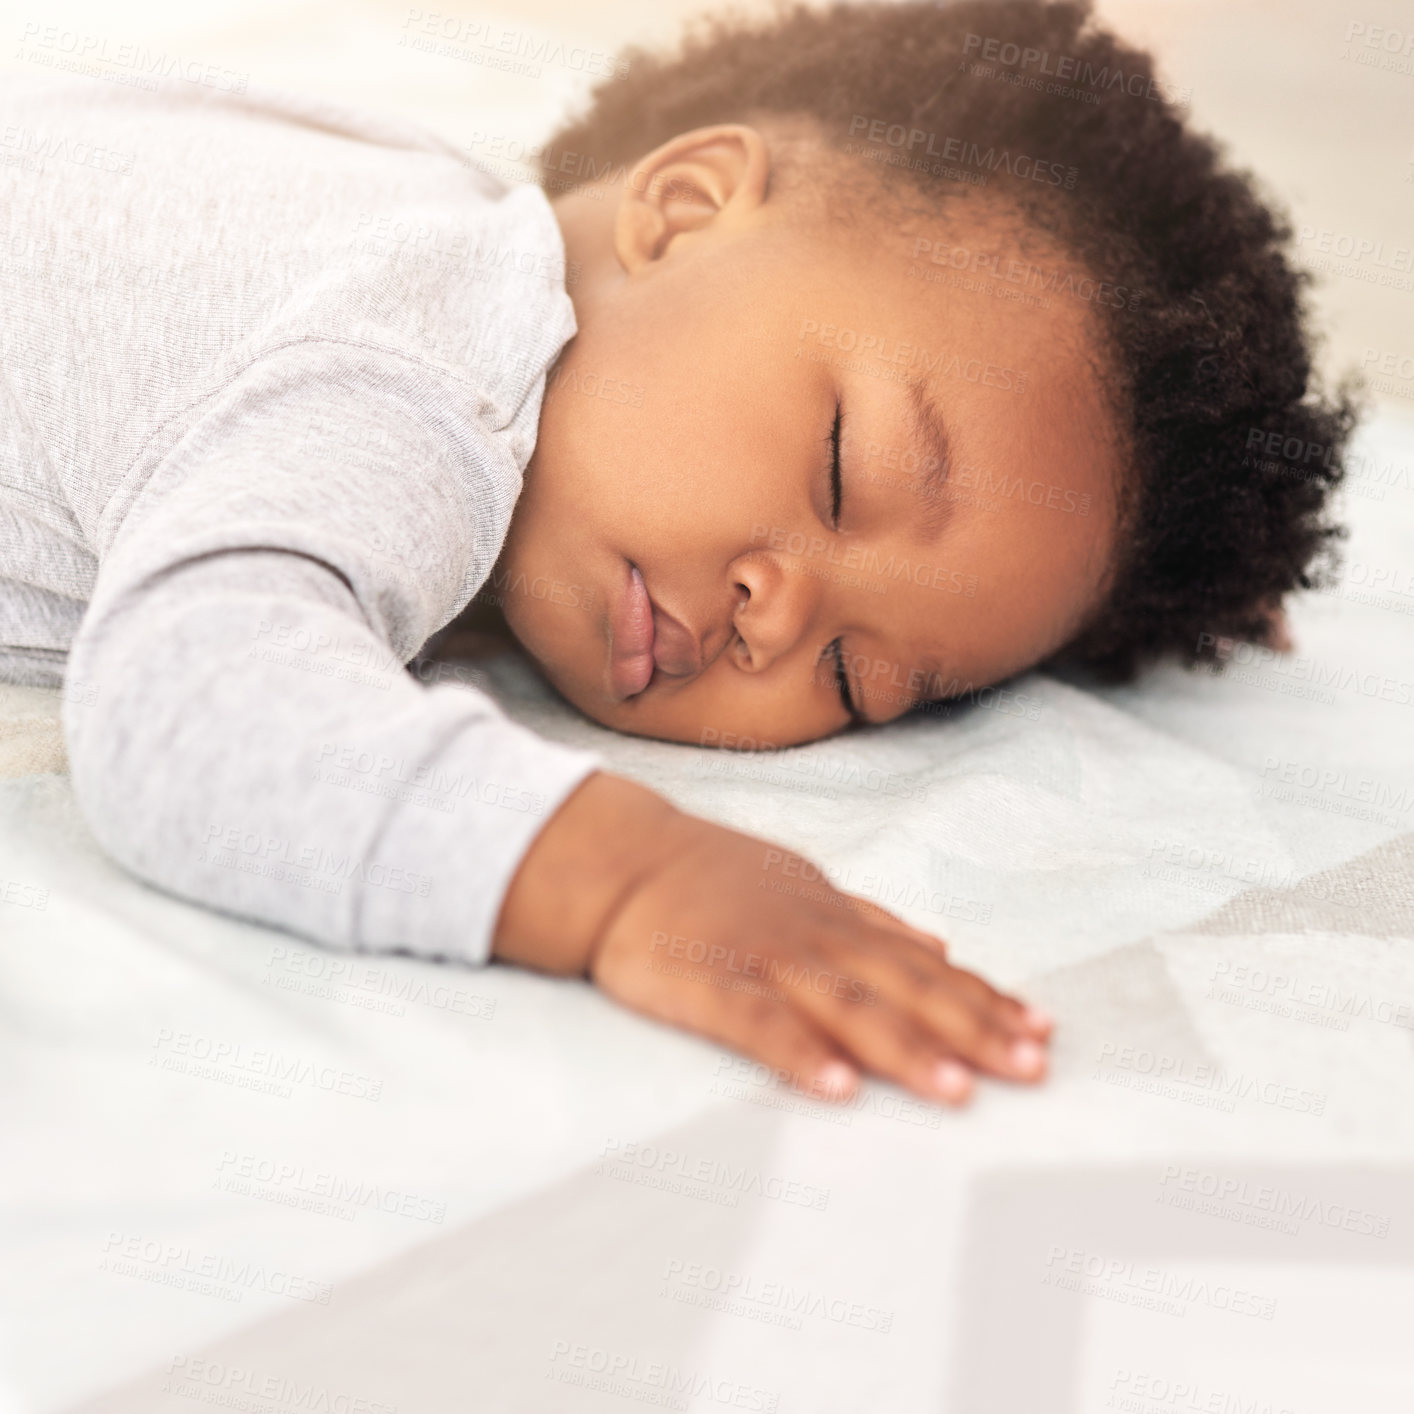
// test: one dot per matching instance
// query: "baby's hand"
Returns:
(720, 939)
(711, 930)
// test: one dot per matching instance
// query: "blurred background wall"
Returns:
(1316, 96)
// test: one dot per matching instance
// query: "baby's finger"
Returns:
(970, 1024)
(779, 1036)
(887, 1041)
(1014, 1014)
(1007, 1011)
(959, 1013)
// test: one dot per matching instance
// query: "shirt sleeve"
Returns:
(241, 726)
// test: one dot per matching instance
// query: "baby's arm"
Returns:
(249, 738)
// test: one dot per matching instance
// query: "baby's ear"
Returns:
(1277, 633)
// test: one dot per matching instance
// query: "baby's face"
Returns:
(779, 469)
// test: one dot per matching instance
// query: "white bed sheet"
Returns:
(173, 1240)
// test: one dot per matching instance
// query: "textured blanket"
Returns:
(253, 1167)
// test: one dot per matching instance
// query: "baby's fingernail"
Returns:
(1039, 1017)
(835, 1079)
(1027, 1056)
(951, 1080)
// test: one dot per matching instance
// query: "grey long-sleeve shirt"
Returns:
(270, 376)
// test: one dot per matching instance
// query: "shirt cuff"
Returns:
(467, 817)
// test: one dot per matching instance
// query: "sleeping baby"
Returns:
(841, 365)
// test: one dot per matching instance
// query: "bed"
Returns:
(245, 1171)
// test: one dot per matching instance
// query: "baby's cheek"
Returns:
(734, 711)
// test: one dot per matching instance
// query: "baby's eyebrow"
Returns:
(930, 429)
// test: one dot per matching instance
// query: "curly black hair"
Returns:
(1230, 447)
